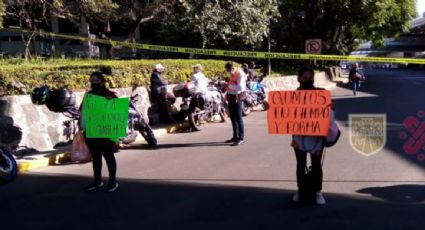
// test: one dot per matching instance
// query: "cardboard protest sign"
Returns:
(105, 118)
(299, 112)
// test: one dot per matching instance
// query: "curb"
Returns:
(62, 157)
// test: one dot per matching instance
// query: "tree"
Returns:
(30, 14)
(128, 14)
(2, 12)
(220, 23)
(341, 24)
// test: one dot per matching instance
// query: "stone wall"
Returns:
(43, 129)
(291, 83)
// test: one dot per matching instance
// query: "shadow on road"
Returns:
(406, 194)
(185, 145)
(58, 202)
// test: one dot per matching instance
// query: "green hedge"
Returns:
(75, 73)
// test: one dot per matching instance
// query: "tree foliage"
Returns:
(341, 24)
(30, 14)
(126, 15)
(2, 12)
(229, 24)
(221, 23)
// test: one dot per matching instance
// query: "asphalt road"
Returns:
(195, 181)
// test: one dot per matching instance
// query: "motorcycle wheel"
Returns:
(265, 105)
(148, 134)
(8, 166)
(130, 138)
(246, 109)
(195, 121)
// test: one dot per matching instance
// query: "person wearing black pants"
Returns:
(235, 111)
(235, 91)
(101, 146)
(316, 167)
(304, 145)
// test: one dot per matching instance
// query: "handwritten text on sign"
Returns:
(300, 112)
(105, 118)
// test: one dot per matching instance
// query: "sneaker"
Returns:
(233, 140)
(112, 186)
(237, 143)
(320, 200)
(94, 186)
(296, 198)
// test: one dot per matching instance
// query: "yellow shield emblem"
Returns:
(368, 132)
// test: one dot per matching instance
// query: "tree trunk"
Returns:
(24, 42)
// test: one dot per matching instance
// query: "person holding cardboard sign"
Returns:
(100, 146)
(310, 182)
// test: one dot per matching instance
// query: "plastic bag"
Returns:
(80, 151)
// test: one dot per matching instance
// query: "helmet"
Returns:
(40, 95)
(159, 67)
(198, 67)
(60, 100)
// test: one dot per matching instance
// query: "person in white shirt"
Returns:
(199, 79)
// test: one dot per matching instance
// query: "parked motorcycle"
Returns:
(63, 100)
(9, 137)
(199, 107)
(255, 96)
(136, 122)
(8, 166)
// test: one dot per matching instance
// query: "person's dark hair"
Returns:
(107, 70)
(245, 66)
(99, 75)
(229, 65)
(305, 69)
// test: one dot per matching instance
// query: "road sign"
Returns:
(313, 46)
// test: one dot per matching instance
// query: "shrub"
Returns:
(75, 73)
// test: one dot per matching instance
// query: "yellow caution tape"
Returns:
(229, 53)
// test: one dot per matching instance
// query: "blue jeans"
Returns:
(235, 112)
(356, 86)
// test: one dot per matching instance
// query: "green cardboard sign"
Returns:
(105, 118)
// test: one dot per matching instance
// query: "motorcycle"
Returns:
(199, 107)
(255, 96)
(136, 121)
(9, 136)
(8, 166)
